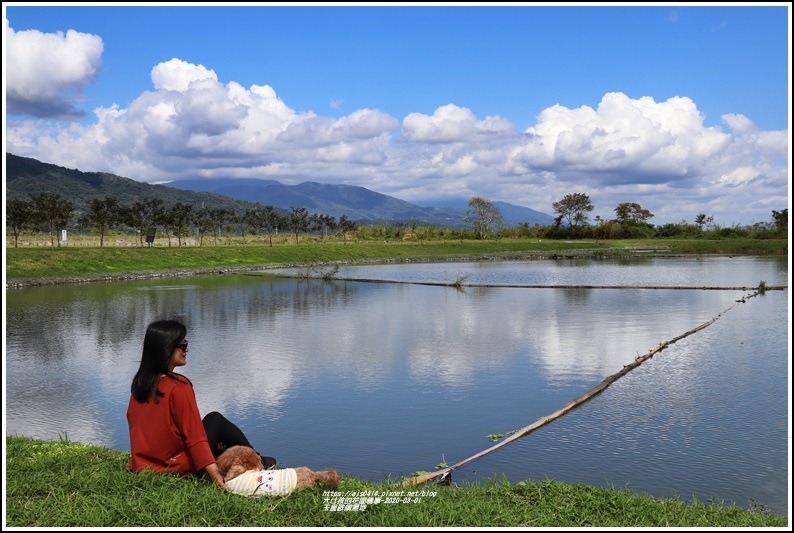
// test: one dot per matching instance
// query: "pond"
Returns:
(382, 380)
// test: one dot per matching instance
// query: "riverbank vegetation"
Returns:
(69, 484)
(81, 259)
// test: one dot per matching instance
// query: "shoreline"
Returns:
(22, 283)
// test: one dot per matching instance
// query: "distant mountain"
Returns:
(517, 214)
(26, 176)
(357, 203)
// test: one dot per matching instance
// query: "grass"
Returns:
(69, 484)
(87, 262)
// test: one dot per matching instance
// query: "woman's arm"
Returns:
(186, 418)
(215, 474)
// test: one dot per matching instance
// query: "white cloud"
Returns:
(363, 124)
(739, 123)
(659, 154)
(48, 71)
(177, 75)
(739, 176)
(450, 123)
(623, 139)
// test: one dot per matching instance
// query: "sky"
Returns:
(682, 108)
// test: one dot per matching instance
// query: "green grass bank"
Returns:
(68, 484)
(34, 265)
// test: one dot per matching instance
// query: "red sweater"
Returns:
(168, 436)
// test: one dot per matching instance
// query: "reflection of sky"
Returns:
(637, 270)
(257, 342)
(65, 380)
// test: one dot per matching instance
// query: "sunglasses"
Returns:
(182, 345)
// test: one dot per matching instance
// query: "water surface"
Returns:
(381, 380)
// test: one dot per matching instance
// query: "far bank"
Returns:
(45, 265)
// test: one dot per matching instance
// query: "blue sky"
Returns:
(681, 108)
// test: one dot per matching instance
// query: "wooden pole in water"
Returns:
(542, 421)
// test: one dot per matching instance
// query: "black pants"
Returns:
(222, 434)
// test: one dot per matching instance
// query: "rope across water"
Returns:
(444, 472)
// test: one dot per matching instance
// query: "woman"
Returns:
(167, 433)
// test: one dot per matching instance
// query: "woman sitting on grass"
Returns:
(167, 433)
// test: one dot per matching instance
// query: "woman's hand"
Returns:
(216, 475)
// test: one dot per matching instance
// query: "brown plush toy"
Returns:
(246, 475)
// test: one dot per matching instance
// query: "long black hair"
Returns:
(162, 337)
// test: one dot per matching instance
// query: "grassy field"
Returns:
(31, 263)
(67, 484)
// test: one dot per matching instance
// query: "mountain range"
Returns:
(358, 203)
(26, 176)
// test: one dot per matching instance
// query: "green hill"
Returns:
(26, 177)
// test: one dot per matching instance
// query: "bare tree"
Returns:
(484, 216)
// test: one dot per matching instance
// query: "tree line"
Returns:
(49, 213)
(630, 222)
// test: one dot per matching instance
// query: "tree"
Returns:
(631, 213)
(203, 222)
(50, 212)
(104, 214)
(212, 220)
(19, 215)
(140, 216)
(346, 226)
(220, 216)
(483, 216)
(248, 221)
(298, 220)
(780, 220)
(703, 220)
(573, 208)
(322, 224)
(316, 223)
(270, 220)
(177, 220)
(329, 223)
